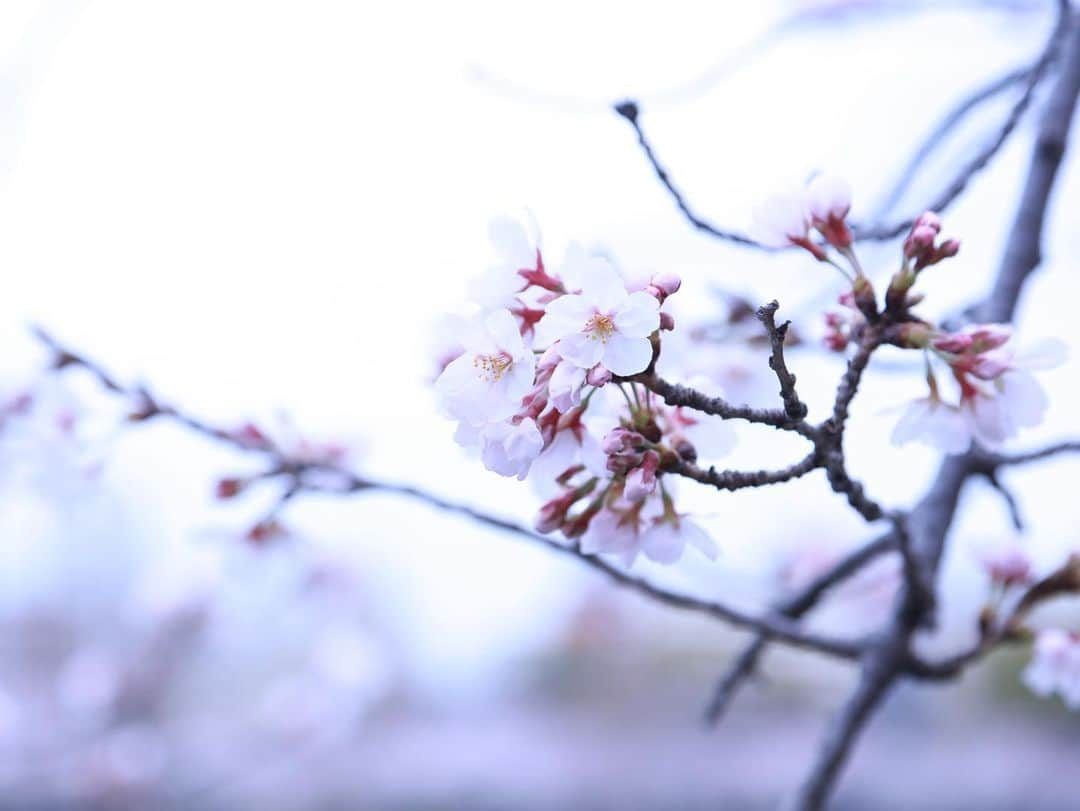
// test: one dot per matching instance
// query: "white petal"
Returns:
(1024, 398)
(828, 195)
(512, 243)
(1045, 354)
(663, 544)
(563, 316)
(583, 350)
(639, 316)
(626, 356)
(699, 539)
(505, 334)
(602, 285)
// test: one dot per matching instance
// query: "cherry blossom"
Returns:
(780, 221)
(827, 201)
(999, 395)
(488, 381)
(509, 449)
(499, 286)
(650, 527)
(603, 324)
(1055, 666)
(935, 423)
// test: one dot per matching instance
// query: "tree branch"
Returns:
(932, 517)
(743, 479)
(675, 394)
(793, 406)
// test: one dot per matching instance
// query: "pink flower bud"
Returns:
(620, 439)
(954, 343)
(598, 376)
(553, 513)
(228, 488)
(668, 283)
(641, 481)
(989, 336)
(928, 219)
(919, 242)
(667, 322)
(948, 248)
(1008, 566)
(621, 446)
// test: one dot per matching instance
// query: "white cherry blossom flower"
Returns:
(603, 324)
(1055, 666)
(780, 220)
(666, 540)
(1015, 399)
(652, 528)
(614, 532)
(827, 197)
(516, 250)
(934, 423)
(488, 381)
(564, 388)
(509, 449)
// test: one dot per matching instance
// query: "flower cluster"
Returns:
(996, 394)
(544, 388)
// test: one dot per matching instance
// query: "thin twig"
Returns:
(795, 408)
(743, 479)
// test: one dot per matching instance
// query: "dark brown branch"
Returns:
(930, 520)
(675, 394)
(793, 406)
(1031, 77)
(743, 479)
(831, 435)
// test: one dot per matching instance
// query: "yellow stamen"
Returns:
(493, 367)
(600, 327)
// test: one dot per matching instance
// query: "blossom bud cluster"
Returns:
(543, 389)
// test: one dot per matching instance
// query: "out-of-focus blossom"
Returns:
(999, 395)
(516, 251)
(828, 201)
(780, 221)
(934, 423)
(509, 449)
(1006, 564)
(1055, 666)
